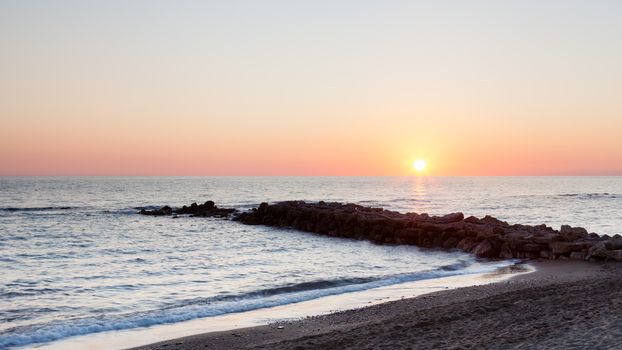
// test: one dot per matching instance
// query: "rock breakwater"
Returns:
(485, 237)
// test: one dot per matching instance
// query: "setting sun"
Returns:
(419, 165)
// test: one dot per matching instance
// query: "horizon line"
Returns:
(413, 176)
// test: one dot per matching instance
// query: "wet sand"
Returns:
(563, 305)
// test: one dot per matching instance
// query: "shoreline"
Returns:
(544, 307)
(328, 304)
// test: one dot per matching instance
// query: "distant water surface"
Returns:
(76, 259)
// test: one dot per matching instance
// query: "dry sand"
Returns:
(563, 305)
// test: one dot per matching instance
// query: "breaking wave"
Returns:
(207, 307)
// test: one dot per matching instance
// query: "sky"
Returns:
(310, 87)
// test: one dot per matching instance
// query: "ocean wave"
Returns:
(208, 307)
(126, 211)
(595, 195)
(394, 200)
(130, 210)
(287, 289)
(38, 208)
(409, 200)
(26, 292)
(461, 264)
(145, 207)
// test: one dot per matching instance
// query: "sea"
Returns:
(76, 258)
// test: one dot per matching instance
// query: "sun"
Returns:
(419, 165)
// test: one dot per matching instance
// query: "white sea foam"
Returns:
(58, 330)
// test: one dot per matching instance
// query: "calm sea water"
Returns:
(76, 259)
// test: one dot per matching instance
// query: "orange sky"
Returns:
(149, 88)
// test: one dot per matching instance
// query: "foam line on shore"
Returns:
(190, 311)
(123, 339)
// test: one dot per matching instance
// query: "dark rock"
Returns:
(565, 247)
(569, 233)
(577, 255)
(165, 210)
(446, 219)
(506, 251)
(614, 243)
(467, 244)
(489, 220)
(544, 238)
(530, 247)
(498, 230)
(485, 232)
(615, 254)
(485, 249)
(450, 243)
(598, 250)
(473, 220)
(205, 210)
(263, 207)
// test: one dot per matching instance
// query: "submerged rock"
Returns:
(204, 210)
(165, 210)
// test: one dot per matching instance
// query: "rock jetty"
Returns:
(487, 237)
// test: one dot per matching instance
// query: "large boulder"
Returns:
(486, 249)
(615, 254)
(489, 220)
(569, 233)
(467, 244)
(565, 247)
(614, 243)
(544, 237)
(506, 252)
(473, 220)
(447, 219)
(598, 250)
(484, 232)
(450, 243)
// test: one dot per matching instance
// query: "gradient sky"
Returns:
(310, 88)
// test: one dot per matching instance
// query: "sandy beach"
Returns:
(562, 305)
